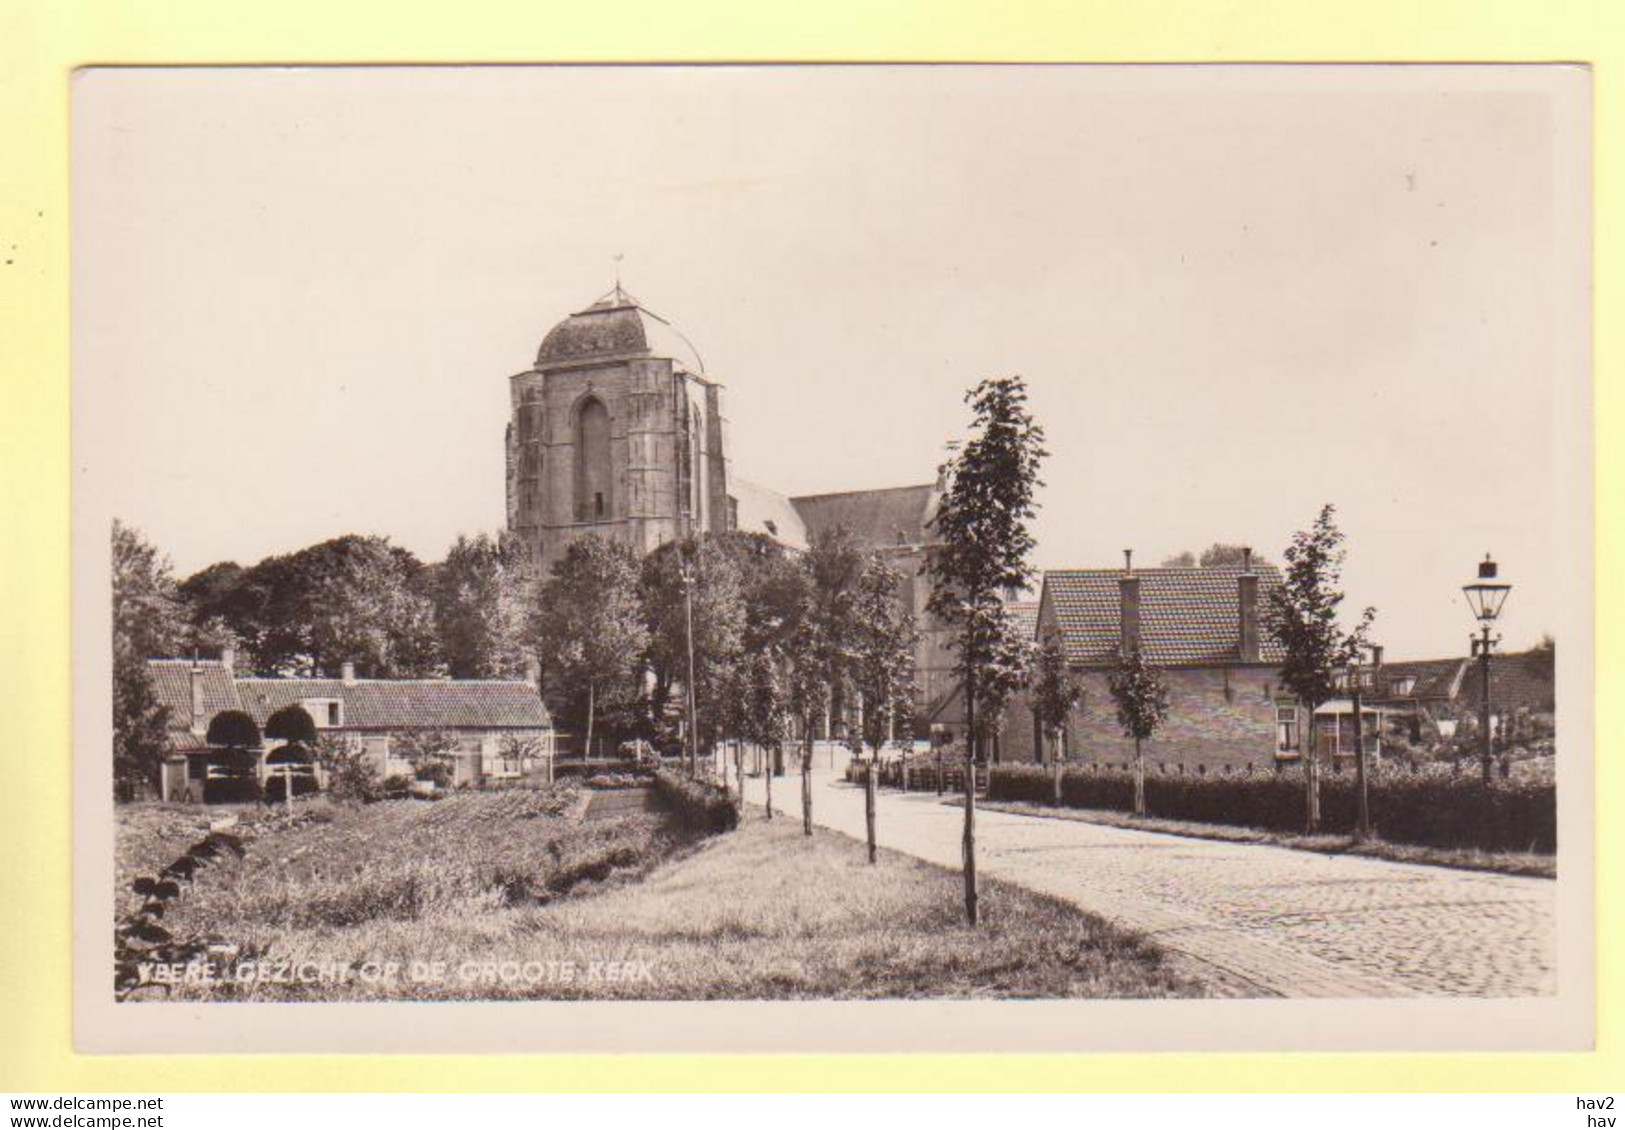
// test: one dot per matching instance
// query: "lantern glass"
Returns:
(1486, 595)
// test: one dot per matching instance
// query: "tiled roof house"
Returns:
(476, 715)
(1205, 628)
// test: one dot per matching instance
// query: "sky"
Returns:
(1235, 293)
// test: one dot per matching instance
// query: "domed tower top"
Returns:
(617, 326)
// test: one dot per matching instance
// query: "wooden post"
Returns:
(1362, 822)
(869, 804)
(1311, 772)
(806, 780)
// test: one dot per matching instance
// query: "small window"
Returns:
(332, 714)
(1286, 729)
(1403, 686)
(598, 504)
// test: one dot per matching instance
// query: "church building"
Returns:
(618, 430)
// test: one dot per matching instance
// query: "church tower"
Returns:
(616, 431)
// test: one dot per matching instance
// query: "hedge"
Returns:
(1431, 810)
(698, 806)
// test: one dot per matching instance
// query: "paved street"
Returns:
(1292, 923)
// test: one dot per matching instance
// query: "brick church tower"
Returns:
(616, 431)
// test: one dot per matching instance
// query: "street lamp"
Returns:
(1362, 819)
(1485, 597)
(685, 573)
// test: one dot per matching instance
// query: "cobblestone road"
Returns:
(1293, 923)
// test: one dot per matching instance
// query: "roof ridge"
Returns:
(849, 493)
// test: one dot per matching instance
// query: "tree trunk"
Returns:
(869, 802)
(970, 802)
(806, 779)
(1311, 774)
(1139, 779)
(592, 686)
(767, 781)
(1058, 765)
(1362, 816)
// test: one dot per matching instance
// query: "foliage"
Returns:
(483, 594)
(718, 617)
(823, 638)
(1141, 698)
(147, 624)
(983, 542)
(1056, 692)
(883, 641)
(350, 599)
(1433, 809)
(1303, 613)
(352, 775)
(696, 805)
(431, 753)
(292, 723)
(589, 629)
(233, 729)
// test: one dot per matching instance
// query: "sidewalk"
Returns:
(1294, 924)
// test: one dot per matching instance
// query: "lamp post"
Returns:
(1485, 596)
(685, 573)
(1362, 815)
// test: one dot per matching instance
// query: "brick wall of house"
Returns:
(1217, 717)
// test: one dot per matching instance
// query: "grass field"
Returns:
(514, 895)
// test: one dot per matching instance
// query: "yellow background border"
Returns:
(41, 41)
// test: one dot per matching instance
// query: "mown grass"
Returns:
(760, 913)
(1536, 864)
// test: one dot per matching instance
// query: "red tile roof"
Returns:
(405, 704)
(1435, 679)
(1187, 615)
(369, 704)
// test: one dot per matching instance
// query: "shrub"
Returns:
(1435, 809)
(395, 786)
(351, 774)
(437, 773)
(697, 806)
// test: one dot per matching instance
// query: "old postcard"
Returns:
(832, 558)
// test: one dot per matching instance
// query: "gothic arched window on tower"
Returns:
(594, 469)
(685, 455)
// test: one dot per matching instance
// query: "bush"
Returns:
(697, 806)
(437, 773)
(395, 786)
(1438, 809)
(351, 773)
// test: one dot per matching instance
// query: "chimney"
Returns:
(1129, 605)
(347, 674)
(228, 657)
(199, 726)
(1376, 655)
(1246, 559)
(1247, 601)
(533, 671)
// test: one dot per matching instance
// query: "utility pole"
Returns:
(687, 574)
(1485, 739)
(1362, 819)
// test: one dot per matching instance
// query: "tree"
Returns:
(431, 753)
(765, 719)
(1142, 704)
(1215, 556)
(351, 599)
(822, 641)
(352, 775)
(147, 623)
(1055, 692)
(709, 612)
(589, 629)
(483, 594)
(1303, 614)
(292, 724)
(982, 549)
(882, 665)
